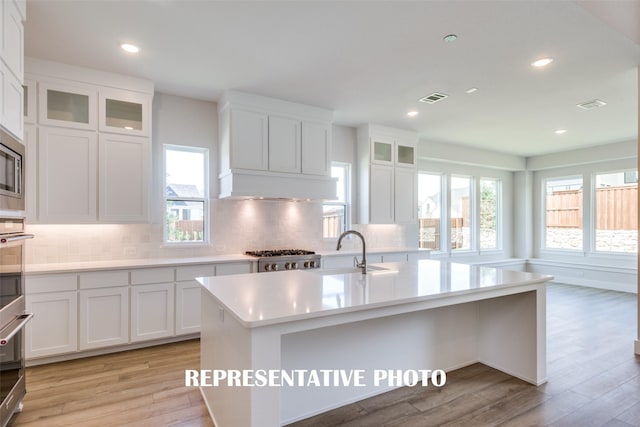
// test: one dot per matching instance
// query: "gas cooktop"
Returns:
(286, 259)
(279, 252)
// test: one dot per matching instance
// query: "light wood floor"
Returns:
(594, 380)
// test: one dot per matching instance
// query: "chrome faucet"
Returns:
(363, 263)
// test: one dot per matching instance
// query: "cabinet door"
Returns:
(54, 328)
(187, 307)
(406, 154)
(66, 105)
(381, 195)
(122, 111)
(152, 309)
(249, 140)
(124, 176)
(12, 49)
(31, 176)
(316, 148)
(406, 205)
(284, 144)
(382, 148)
(104, 317)
(10, 102)
(30, 96)
(67, 161)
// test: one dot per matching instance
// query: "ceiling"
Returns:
(371, 61)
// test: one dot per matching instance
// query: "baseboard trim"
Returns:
(107, 350)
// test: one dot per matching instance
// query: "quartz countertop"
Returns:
(270, 298)
(344, 252)
(131, 263)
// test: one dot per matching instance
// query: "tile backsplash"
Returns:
(236, 226)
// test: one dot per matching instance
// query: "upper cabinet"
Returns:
(70, 105)
(126, 112)
(388, 175)
(92, 136)
(12, 15)
(274, 149)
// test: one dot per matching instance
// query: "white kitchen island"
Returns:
(421, 315)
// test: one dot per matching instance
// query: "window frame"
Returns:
(206, 226)
(347, 195)
(473, 214)
(444, 211)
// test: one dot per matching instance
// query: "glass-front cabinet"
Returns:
(393, 152)
(125, 112)
(68, 106)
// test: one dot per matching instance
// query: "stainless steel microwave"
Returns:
(11, 173)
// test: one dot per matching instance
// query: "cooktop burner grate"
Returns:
(279, 252)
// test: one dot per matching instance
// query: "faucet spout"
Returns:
(362, 264)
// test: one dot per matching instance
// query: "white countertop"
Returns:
(270, 298)
(351, 252)
(131, 263)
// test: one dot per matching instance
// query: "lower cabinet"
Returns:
(91, 310)
(104, 317)
(54, 328)
(152, 308)
(187, 307)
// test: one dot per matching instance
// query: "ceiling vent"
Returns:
(590, 105)
(433, 98)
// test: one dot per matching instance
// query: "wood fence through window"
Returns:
(616, 208)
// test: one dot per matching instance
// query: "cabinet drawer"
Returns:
(51, 283)
(104, 279)
(193, 271)
(234, 268)
(152, 275)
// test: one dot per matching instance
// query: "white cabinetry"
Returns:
(94, 144)
(274, 148)
(152, 308)
(123, 178)
(152, 303)
(67, 105)
(104, 317)
(11, 65)
(67, 171)
(54, 328)
(104, 309)
(388, 175)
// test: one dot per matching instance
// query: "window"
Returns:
(489, 213)
(335, 214)
(616, 212)
(459, 213)
(563, 213)
(185, 194)
(429, 210)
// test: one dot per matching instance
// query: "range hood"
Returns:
(274, 149)
(247, 184)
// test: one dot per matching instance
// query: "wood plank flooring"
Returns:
(594, 380)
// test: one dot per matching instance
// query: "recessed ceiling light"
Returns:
(131, 48)
(542, 62)
(450, 38)
(471, 90)
(561, 131)
(412, 113)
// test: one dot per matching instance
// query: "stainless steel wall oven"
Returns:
(12, 316)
